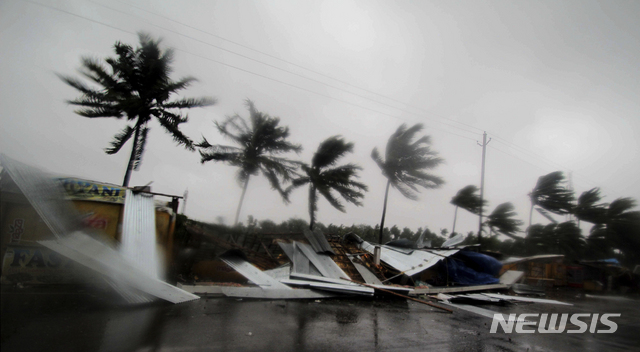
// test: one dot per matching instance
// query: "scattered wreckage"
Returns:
(301, 265)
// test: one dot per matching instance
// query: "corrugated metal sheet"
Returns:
(252, 273)
(300, 261)
(367, 275)
(45, 195)
(349, 289)
(282, 272)
(138, 243)
(410, 264)
(257, 292)
(457, 239)
(318, 241)
(105, 260)
(322, 262)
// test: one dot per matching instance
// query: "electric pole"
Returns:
(484, 151)
(184, 196)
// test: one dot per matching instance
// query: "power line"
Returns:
(287, 71)
(297, 65)
(251, 72)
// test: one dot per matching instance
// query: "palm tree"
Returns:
(261, 139)
(405, 165)
(324, 177)
(550, 194)
(468, 199)
(136, 85)
(624, 226)
(502, 220)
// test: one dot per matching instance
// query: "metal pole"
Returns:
(484, 150)
(184, 196)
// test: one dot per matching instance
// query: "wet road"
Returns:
(68, 320)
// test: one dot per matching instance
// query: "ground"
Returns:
(86, 319)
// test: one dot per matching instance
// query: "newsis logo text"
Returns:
(529, 323)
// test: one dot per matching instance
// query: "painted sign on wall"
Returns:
(77, 189)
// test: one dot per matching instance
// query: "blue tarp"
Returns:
(470, 269)
(480, 262)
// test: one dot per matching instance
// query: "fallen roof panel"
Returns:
(318, 241)
(510, 277)
(252, 273)
(429, 290)
(366, 274)
(348, 289)
(526, 299)
(322, 262)
(410, 264)
(97, 256)
(256, 292)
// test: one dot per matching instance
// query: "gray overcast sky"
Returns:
(554, 84)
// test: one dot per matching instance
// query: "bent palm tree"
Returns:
(324, 178)
(260, 140)
(550, 194)
(405, 165)
(468, 199)
(502, 220)
(135, 84)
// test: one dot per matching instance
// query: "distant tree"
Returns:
(261, 140)
(551, 194)
(502, 220)
(136, 85)
(563, 238)
(324, 177)
(406, 233)
(405, 165)
(623, 228)
(468, 199)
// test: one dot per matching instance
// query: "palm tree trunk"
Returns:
(530, 217)
(132, 161)
(244, 190)
(384, 211)
(455, 216)
(312, 206)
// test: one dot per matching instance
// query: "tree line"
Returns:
(136, 85)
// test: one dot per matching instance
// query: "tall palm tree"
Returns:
(551, 194)
(136, 85)
(405, 165)
(502, 220)
(261, 139)
(468, 199)
(324, 177)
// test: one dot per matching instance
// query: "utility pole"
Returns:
(484, 151)
(184, 196)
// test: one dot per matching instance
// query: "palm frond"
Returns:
(551, 194)
(119, 140)
(326, 193)
(330, 150)
(502, 220)
(187, 103)
(170, 122)
(468, 199)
